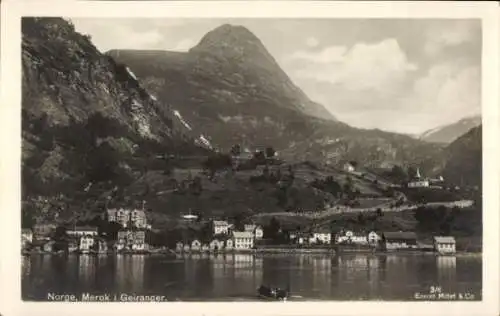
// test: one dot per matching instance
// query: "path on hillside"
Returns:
(350, 210)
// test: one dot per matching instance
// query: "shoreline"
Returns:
(263, 251)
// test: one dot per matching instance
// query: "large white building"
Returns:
(243, 240)
(351, 238)
(125, 217)
(86, 243)
(321, 236)
(221, 227)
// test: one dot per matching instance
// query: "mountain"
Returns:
(93, 136)
(86, 120)
(232, 89)
(132, 126)
(463, 159)
(449, 133)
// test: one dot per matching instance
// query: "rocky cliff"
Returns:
(86, 119)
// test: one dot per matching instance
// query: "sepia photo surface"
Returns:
(250, 159)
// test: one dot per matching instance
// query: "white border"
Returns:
(10, 303)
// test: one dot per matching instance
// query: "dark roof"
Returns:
(400, 235)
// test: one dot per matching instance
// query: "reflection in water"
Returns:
(321, 267)
(25, 266)
(446, 270)
(86, 270)
(129, 272)
(202, 277)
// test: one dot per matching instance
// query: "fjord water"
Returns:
(236, 277)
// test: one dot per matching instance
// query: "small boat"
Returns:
(268, 292)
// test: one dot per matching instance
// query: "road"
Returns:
(349, 210)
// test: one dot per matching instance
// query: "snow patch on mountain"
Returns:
(179, 116)
(205, 141)
(131, 73)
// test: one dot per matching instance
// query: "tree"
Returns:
(60, 233)
(272, 230)
(27, 218)
(361, 218)
(199, 215)
(236, 150)
(379, 212)
(238, 221)
(205, 234)
(353, 163)
(217, 162)
(265, 171)
(111, 230)
(270, 152)
(196, 186)
(399, 174)
(259, 157)
(412, 172)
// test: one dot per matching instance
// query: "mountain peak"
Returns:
(233, 39)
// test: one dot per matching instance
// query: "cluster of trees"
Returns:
(274, 177)
(274, 233)
(191, 186)
(269, 152)
(435, 220)
(217, 162)
(329, 184)
(402, 175)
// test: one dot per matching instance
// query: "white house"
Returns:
(419, 184)
(138, 218)
(229, 244)
(243, 240)
(351, 238)
(221, 227)
(179, 247)
(373, 238)
(321, 236)
(86, 243)
(259, 232)
(444, 244)
(349, 167)
(216, 244)
(195, 245)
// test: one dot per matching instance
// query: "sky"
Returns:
(400, 75)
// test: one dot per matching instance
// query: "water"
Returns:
(236, 277)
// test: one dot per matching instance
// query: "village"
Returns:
(133, 230)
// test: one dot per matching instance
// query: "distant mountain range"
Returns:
(448, 133)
